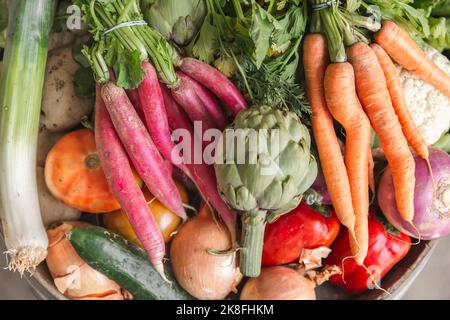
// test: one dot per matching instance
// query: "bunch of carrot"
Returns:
(362, 93)
(136, 126)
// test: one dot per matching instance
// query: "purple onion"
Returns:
(431, 201)
(321, 188)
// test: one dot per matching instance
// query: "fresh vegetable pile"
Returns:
(322, 125)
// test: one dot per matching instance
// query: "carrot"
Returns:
(215, 81)
(202, 175)
(121, 180)
(374, 95)
(399, 45)
(371, 173)
(344, 105)
(186, 96)
(412, 134)
(210, 102)
(142, 151)
(315, 60)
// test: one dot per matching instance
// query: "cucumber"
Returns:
(125, 263)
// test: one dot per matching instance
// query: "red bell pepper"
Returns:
(303, 227)
(387, 246)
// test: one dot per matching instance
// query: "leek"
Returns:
(21, 85)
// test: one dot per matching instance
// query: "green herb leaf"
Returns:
(126, 65)
(439, 33)
(263, 24)
(84, 82)
(206, 45)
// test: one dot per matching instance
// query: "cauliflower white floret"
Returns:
(430, 109)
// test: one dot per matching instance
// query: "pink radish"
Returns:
(215, 81)
(122, 182)
(210, 102)
(186, 96)
(142, 151)
(176, 116)
(134, 98)
(152, 103)
(202, 175)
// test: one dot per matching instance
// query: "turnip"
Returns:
(431, 198)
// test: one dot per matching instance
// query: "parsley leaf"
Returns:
(126, 65)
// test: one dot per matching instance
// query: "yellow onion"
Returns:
(204, 275)
(279, 283)
(72, 276)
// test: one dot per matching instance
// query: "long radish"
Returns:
(133, 95)
(186, 96)
(374, 96)
(345, 107)
(202, 175)
(122, 182)
(152, 104)
(142, 151)
(209, 101)
(399, 45)
(215, 81)
(176, 116)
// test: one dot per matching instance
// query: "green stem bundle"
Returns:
(143, 39)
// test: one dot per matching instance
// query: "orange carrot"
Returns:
(374, 95)
(399, 45)
(412, 134)
(371, 174)
(315, 60)
(344, 105)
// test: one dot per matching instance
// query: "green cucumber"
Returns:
(125, 263)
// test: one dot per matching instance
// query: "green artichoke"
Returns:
(177, 20)
(263, 165)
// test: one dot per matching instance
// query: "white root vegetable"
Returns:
(52, 210)
(60, 39)
(61, 108)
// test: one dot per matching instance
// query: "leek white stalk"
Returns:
(21, 85)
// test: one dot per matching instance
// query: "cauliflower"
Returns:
(429, 108)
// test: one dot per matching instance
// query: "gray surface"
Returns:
(432, 283)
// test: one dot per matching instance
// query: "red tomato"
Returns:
(301, 228)
(387, 247)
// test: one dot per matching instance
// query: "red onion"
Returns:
(321, 188)
(431, 202)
